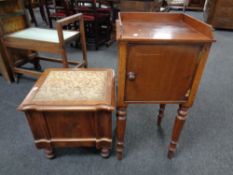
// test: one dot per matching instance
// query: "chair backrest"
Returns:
(60, 24)
(12, 16)
(64, 6)
(86, 6)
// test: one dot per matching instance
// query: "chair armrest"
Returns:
(69, 20)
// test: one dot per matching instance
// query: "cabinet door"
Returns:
(160, 72)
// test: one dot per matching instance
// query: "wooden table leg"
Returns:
(179, 123)
(161, 114)
(121, 125)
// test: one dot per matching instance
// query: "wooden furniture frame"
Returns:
(62, 115)
(97, 23)
(219, 13)
(55, 44)
(10, 21)
(60, 8)
(4, 69)
(161, 60)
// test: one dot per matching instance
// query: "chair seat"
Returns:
(43, 35)
(58, 14)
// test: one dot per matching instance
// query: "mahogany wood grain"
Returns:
(161, 59)
(165, 61)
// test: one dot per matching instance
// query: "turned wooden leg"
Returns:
(121, 124)
(161, 114)
(105, 152)
(49, 153)
(179, 122)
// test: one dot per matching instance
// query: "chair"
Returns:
(58, 9)
(45, 40)
(31, 4)
(97, 22)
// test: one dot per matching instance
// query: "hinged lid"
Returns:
(72, 89)
(160, 27)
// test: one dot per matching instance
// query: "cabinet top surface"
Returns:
(72, 89)
(162, 27)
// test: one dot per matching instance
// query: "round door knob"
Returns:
(131, 76)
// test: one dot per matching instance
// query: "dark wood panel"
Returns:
(165, 71)
(219, 13)
(71, 124)
(196, 3)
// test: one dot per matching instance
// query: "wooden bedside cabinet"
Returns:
(72, 108)
(161, 60)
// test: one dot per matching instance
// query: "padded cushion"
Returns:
(58, 14)
(72, 85)
(44, 35)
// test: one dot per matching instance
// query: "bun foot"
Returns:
(105, 153)
(49, 154)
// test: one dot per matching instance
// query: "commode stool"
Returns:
(71, 108)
